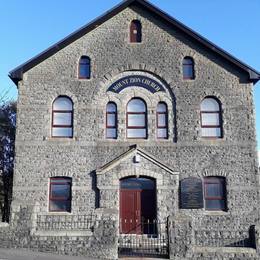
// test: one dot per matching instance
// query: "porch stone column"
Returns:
(180, 236)
(104, 243)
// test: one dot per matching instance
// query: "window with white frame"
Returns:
(62, 117)
(136, 119)
(211, 120)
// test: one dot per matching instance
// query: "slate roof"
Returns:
(17, 74)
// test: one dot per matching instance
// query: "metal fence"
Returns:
(65, 223)
(224, 233)
(223, 238)
(148, 239)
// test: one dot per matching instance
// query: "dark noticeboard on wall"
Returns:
(191, 194)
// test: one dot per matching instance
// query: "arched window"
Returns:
(136, 119)
(136, 31)
(60, 194)
(111, 121)
(215, 193)
(188, 68)
(62, 117)
(84, 67)
(211, 122)
(162, 120)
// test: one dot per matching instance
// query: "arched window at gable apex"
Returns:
(135, 31)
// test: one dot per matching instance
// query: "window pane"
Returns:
(111, 119)
(211, 132)
(210, 119)
(214, 190)
(111, 107)
(188, 71)
(60, 190)
(215, 204)
(161, 120)
(137, 183)
(136, 120)
(60, 206)
(62, 103)
(62, 119)
(209, 104)
(136, 105)
(136, 133)
(84, 71)
(61, 180)
(135, 31)
(187, 61)
(161, 107)
(62, 131)
(111, 133)
(162, 133)
(84, 60)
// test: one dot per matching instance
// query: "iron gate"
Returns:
(151, 241)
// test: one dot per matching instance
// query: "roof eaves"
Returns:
(254, 75)
(17, 73)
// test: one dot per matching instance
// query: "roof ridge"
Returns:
(17, 74)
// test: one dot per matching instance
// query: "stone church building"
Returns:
(136, 137)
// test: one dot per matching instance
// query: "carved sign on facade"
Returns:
(136, 81)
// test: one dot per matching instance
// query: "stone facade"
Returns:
(96, 164)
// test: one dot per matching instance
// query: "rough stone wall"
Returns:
(39, 157)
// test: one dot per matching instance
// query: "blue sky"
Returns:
(28, 27)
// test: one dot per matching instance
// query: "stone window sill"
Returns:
(243, 250)
(62, 139)
(215, 213)
(4, 224)
(58, 213)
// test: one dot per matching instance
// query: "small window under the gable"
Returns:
(84, 68)
(135, 31)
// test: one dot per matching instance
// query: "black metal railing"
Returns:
(223, 238)
(146, 238)
(64, 223)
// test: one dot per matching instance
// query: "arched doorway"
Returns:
(137, 205)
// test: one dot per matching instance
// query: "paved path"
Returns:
(20, 254)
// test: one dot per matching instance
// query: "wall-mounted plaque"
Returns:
(136, 81)
(191, 193)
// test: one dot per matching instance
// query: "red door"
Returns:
(130, 211)
(137, 205)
